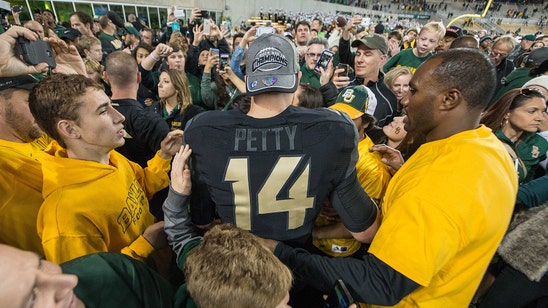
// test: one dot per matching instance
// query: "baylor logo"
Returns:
(348, 96)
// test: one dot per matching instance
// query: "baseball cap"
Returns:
(529, 37)
(71, 34)
(373, 41)
(353, 101)
(131, 29)
(453, 31)
(272, 65)
(538, 55)
(26, 82)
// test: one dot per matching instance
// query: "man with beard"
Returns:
(21, 146)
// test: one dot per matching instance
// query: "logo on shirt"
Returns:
(535, 152)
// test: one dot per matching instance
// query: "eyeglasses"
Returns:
(313, 55)
(498, 54)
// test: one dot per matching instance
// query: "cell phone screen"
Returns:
(223, 62)
(214, 52)
(323, 61)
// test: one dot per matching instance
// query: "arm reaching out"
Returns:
(178, 227)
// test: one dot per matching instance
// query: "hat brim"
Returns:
(352, 112)
(27, 86)
(264, 83)
(451, 34)
(19, 82)
(357, 43)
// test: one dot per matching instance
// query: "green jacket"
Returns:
(531, 150)
(516, 79)
(114, 280)
(309, 77)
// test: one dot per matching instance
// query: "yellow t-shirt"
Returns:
(21, 192)
(444, 214)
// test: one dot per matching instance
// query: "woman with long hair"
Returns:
(175, 104)
(397, 80)
(515, 119)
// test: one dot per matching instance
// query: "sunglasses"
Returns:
(527, 92)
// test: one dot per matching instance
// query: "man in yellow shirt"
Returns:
(446, 209)
(21, 146)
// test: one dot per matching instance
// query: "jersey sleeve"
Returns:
(369, 279)
(354, 206)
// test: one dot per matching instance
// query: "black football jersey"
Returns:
(270, 176)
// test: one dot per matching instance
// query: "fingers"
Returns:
(383, 148)
(16, 31)
(175, 133)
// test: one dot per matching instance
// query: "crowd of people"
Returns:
(261, 167)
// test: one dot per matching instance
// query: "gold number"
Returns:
(296, 203)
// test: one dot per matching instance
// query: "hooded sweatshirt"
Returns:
(21, 192)
(92, 207)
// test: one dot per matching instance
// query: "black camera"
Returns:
(17, 9)
(204, 14)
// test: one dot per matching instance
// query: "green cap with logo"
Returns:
(353, 101)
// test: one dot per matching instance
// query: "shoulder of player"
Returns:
(210, 118)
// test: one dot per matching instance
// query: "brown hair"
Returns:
(180, 83)
(58, 97)
(495, 115)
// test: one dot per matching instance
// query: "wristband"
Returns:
(153, 57)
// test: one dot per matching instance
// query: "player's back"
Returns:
(272, 175)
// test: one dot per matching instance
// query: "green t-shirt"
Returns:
(407, 58)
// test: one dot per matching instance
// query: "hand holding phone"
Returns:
(348, 71)
(323, 61)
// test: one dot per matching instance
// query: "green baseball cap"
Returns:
(373, 41)
(353, 101)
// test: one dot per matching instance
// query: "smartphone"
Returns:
(35, 52)
(264, 30)
(223, 62)
(175, 27)
(346, 69)
(213, 52)
(204, 14)
(207, 27)
(324, 60)
(17, 8)
(340, 296)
